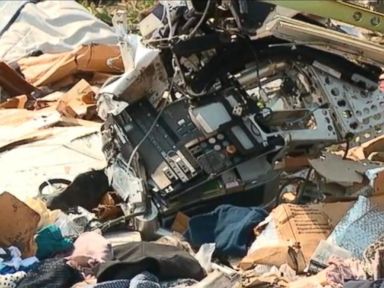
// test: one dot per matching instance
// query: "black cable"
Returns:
(257, 69)
(348, 144)
(193, 32)
(136, 148)
(249, 44)
(144, 137)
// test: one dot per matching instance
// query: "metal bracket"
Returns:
(338, 10)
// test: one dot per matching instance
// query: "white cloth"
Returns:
(51, 27)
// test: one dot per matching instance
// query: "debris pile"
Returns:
(231, 144)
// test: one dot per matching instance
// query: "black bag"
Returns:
(86, 190)
(166, 262)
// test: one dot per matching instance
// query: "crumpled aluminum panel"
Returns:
(358, 111)
(360, 227)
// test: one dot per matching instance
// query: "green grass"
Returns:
(103, 9)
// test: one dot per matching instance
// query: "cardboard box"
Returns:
(291, 234)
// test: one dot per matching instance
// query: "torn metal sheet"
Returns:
(307, 34)
(128, 186)
(145, 77)
(206, 110)
(344, 172)
(345, 11)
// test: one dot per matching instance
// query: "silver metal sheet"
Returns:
(325, 39)
(360, 227)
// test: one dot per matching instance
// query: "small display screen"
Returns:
(242, 137)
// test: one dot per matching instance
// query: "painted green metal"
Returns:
(337, 10)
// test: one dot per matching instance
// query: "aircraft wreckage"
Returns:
(216, 93)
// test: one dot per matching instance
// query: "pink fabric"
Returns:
(90, 249)
(340, 270)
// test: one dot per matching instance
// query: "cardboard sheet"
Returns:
(78, 102)
(180, 224)
(49, 69)
(366, 149)
(291, 233)
(12, 82)
(18, 224)
(47, 216)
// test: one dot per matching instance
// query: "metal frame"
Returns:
(338, 10)
(302, 33)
